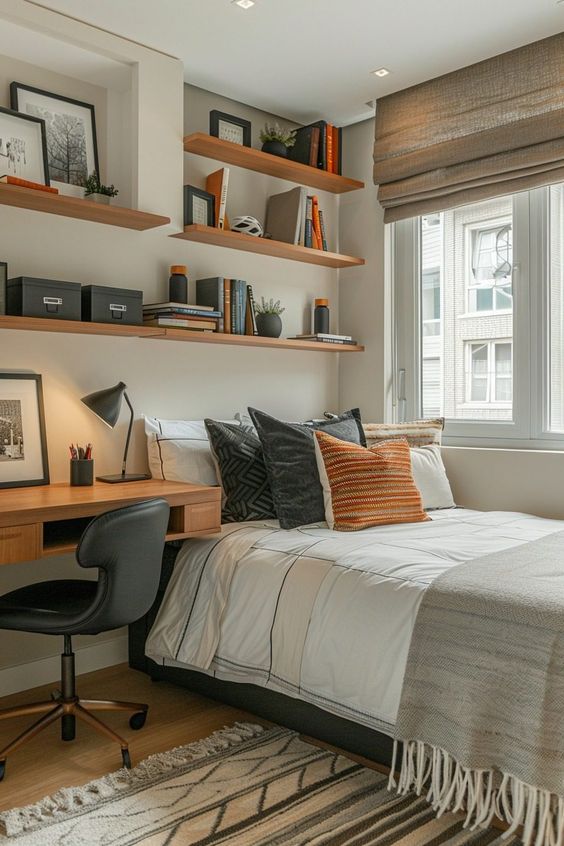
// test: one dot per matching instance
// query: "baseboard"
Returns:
(47, 670)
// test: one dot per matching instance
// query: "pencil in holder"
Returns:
(81, 471)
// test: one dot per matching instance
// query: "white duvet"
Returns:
(321, 615)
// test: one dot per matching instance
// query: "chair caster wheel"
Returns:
(126, 760)
(68, 727)
(56, 695)
(137, 721)
(2, 769)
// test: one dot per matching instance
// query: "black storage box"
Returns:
(30, 297)
(112, 305)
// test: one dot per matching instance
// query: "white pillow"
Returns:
(430, 477)
(179, 450)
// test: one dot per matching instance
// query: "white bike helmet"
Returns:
(247, 224)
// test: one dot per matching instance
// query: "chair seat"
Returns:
(55, 607)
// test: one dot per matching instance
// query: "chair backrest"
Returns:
(127, 547)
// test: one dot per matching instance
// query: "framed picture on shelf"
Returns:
(23, 446)
(70, 127)
(23, 148)
(230, 128)
(199, 207)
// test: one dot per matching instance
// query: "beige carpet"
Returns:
(241, 786)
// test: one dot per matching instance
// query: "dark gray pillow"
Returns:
(239, 457)
(289, 456)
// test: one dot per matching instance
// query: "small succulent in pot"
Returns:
(95, 190)
(267, 313)
(277, 140)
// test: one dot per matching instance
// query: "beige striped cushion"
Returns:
(367, 487)
(417, 432)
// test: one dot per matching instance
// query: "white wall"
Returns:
(164, 378)
(363, 302)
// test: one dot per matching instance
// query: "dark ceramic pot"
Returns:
(275, 148)
(269, 325)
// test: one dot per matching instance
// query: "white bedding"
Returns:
(325, 616)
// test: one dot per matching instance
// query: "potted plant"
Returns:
(268, 314)
(276, 140)
(94, 190)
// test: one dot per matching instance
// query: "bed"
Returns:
(312, 627)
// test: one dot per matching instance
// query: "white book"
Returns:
(223, 199)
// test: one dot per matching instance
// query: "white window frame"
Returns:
(531, 333)
(491, 376)
(470, 285)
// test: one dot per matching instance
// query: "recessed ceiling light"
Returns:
(381, 72)
(244, 4)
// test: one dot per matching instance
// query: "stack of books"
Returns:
(232, 300)
(195, 318)
(319, 145)
(326, 338)
(25, 183)
(294, 217)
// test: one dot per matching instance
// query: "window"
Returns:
(489, 260)
(479, 319)
(489, 372)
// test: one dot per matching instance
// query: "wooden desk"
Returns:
(49, 520)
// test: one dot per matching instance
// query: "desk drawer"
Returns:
(20, 543)
(198, 518)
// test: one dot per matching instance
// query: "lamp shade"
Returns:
(106, 404)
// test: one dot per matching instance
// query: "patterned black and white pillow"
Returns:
(246, 490)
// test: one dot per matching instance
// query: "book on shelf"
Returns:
(316, 223)
(210, 293)
(192, 324)
(250, 318)
(238, 306)
(322, 230)
(7, 179)
(319, 145)
(308, 223)
(179, 309)
(326, 339)
(283, 215)
(217, 184)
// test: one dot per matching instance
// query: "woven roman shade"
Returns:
(490, 129)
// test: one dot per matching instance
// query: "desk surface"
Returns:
(19, 506)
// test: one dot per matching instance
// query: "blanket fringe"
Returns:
(452, 787)
(69, 800)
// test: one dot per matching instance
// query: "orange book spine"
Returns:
(330, 157)
(25, 183)
(317, 224)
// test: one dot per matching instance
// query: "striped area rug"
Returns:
(245, 785)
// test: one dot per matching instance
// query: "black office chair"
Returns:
(126, 546)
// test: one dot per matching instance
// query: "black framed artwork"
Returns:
(230, 128)
(199, 206)
(23, 147)
(70, 126)
(23, 444)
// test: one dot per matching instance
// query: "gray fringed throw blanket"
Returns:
(482, 708)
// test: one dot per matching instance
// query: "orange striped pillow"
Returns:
(367, 487)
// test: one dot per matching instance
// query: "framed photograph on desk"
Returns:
(23, 445)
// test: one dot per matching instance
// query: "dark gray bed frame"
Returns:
(281, 709)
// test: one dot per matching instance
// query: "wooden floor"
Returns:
(42, 766)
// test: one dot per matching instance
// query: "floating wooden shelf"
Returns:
(255, 341)
(251, 159)
(43, 201)
(264, 246)
(77, 327)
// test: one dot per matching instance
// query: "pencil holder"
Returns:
(81, 471)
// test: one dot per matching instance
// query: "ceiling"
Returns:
(306, 59)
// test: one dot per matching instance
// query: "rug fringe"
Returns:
(69, 800)
(452, 787)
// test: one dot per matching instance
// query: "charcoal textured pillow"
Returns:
(289, 456)
(238, 455)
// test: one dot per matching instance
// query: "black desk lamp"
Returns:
(106, 405)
